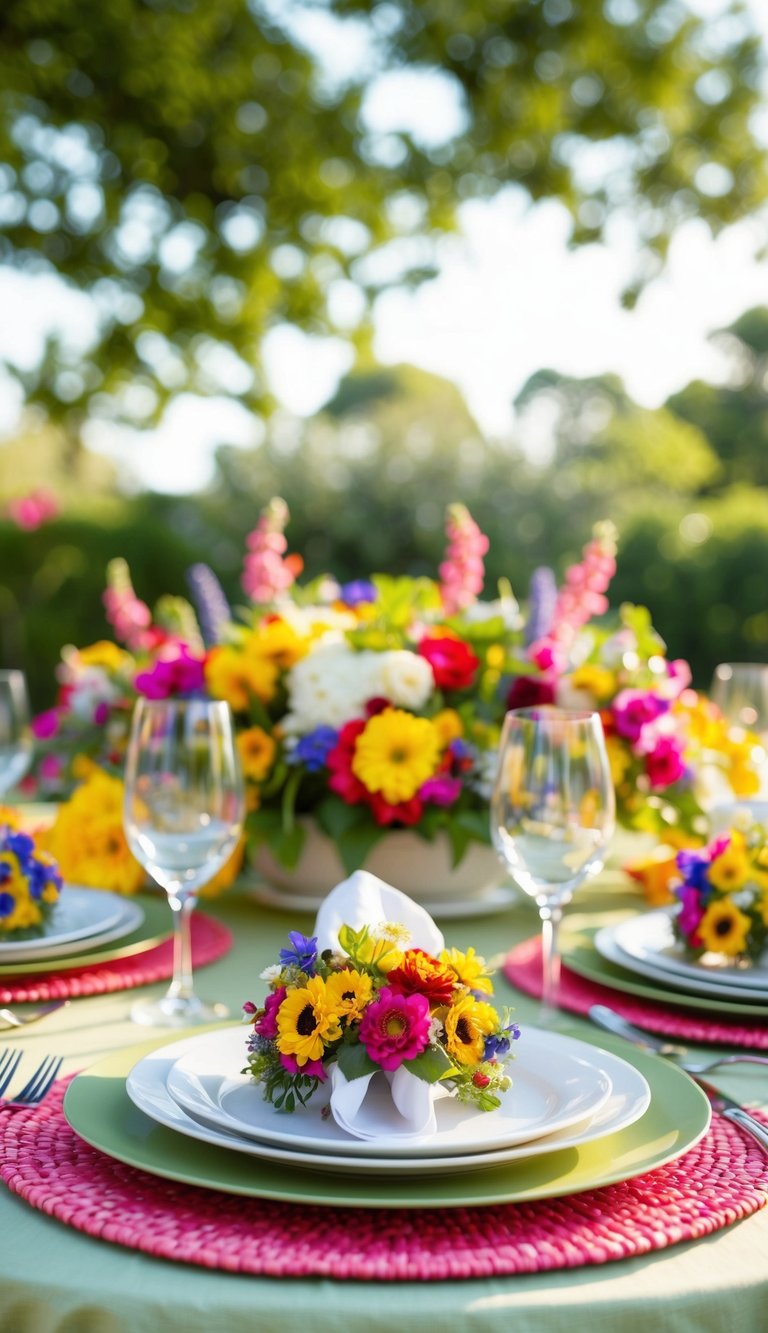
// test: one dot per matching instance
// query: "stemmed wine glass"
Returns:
(552, 815)
(183, 814)
(740, 690)
(15, 734)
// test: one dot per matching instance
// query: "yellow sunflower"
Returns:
(724, 929)
(349, 993)
(235, 676)
(88, 838)
(470, 968)
(307, 1021)
(730, 870)
(467, 1024)
(396, 754)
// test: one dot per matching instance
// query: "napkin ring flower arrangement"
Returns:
(378, 1005)
(30, 882)
(723, 896)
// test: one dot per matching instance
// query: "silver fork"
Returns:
(612, 1022)
(38, 1086)
(8, 1062)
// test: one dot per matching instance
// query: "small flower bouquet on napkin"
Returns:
(374, 991)
(723, 895)
(30, 882)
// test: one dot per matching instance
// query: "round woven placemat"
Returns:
(210, 940)
(523, 968)
(720, 1181)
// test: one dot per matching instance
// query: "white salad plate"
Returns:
(650, 938)
(605, 944)
(147, 1087)
(80, 917)
(556, 1082)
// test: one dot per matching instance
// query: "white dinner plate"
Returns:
(556, 1082)
(81, 918)
(147, 1087)
(605, 944)
(650, 938)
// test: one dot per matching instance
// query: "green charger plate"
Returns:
(585, 961)
(100, 1111)
(153, 930)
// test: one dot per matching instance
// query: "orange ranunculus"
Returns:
(421, 974)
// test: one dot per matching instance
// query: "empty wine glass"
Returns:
(15, 734)
(184, 807)
(552, 815)
(740, 690)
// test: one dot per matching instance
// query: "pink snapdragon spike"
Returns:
(130, 618)
(31, 511)
(268, 572)
(581, 597)
(462, 572)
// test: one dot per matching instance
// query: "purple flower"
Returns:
(302, 953)
(212, 606)
(693, 867)
(498, 1043)
(542, 598)
(180, 674)
(441, 789)
(46, 724)
(313, 749)
(357, 591)
(691, 913)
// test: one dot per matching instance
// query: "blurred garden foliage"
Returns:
(204, 173)
(367, 482)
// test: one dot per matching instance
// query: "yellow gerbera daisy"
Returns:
(470, 969)
(307, 1021)
(724, 929)
(349, 993)
(277, 640)
(235, 676)
(596, 680)
(396, 754)
(467, 1024)
(730, 870)
(257, 752)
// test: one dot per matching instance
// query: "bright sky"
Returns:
(510, 299)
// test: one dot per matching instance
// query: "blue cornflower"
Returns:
(302, 954)
(7, 904)
(693, 867)
(498, 1043)
(357, 591)
(313, 749)
(21, 845)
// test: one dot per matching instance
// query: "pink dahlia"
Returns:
(310, 1068)
(266, 1026)
(664, 764)
(395, 1028)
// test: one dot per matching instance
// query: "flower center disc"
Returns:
(395, 1025)
(306, 1022)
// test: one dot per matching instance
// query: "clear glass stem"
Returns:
(181, 985)
(551, 914)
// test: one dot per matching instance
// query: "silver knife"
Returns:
(731, 1110)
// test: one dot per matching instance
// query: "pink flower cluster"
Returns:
(462, 572)
(641, 717)
(267, 571)
(581, 597)
(130, 618)
(31, 511)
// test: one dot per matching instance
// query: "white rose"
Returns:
(328, 688)
(405, 678)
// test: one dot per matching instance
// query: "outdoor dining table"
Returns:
(54, 1278)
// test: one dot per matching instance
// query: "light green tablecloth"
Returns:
(54, 1279)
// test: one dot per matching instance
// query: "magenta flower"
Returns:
(442, 789)
(31, 511)
(312, 1068)
(46, 724)
(635, 709)
(691, 913)
(664, 764)
(462, 573)
(395, 1028)
(181, 673)
(266, 1026)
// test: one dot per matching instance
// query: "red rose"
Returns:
(453, 663)
(528, 691)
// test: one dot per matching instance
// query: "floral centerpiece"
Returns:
(723, 894)
(376, 1004)
(30, 882)
(375, 705)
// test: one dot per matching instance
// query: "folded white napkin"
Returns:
(380, 1105)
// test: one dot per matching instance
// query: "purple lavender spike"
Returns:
(542, 596)
(212, 606)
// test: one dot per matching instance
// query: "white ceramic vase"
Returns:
(421, 869)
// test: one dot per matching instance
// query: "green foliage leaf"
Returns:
(354, 1061)
(432, 1065)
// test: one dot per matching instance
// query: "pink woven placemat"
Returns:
(210, 940)
(523, 969)
(720, 1181)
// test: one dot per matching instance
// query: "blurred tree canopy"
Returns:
(207, 171)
